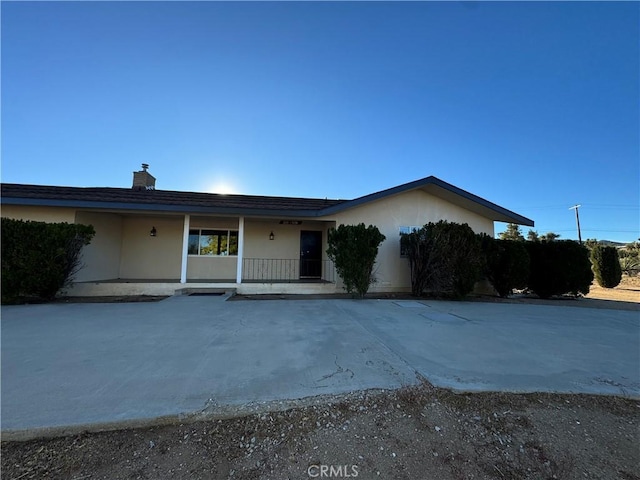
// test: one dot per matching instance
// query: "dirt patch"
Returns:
(627, 291)
(112, 299)
(414, 432)
(102, 299)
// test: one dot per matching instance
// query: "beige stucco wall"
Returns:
(286, 242)
(285, 246)
(146, 257)
(211, 268)
(406, 209)
(39, 214)
(101, 258)
(222, 223)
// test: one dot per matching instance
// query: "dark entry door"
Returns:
(310, 254)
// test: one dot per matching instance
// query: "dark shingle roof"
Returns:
(157, 199)
(211, 203)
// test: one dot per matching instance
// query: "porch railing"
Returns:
(287, 270)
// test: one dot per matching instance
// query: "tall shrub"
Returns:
(559, 267)
(444, 258)
(38, 258)
(506, 264)
(353, 250)
(606, 266)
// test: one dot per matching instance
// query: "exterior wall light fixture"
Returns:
(271, 236)
(153, 232)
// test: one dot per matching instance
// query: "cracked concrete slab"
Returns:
(517, 347)
(443, 317)
(409, 304)
(81, 364)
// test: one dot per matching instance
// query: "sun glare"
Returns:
(222, 187)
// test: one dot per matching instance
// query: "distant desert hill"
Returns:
(611, 243)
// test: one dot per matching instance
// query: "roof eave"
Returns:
(431, 184)
(156, 207)
(491, 210)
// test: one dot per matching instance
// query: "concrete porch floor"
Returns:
(132, 286)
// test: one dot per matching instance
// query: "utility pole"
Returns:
(576, 207)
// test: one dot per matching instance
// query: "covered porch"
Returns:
(157, 254)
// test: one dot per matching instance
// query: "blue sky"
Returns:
(531, 105)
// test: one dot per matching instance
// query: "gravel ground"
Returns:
(415, 432)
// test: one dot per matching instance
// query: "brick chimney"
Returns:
(143, 180)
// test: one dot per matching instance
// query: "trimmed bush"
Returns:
(38, 258)
(353, 250)
(445, 258)
(506, 264)
(606, 266)
(559, 267)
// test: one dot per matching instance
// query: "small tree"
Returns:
(38, 258)
(512, 233)
(606, 266)
(590, 243)
(444, 257)
(532, 236)
(549, 237)
(506, 264)
(353, 250)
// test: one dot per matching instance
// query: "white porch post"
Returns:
(240, 249)
(185, 249)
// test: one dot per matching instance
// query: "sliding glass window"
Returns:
(213, 243)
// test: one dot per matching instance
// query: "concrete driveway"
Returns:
(78, 364)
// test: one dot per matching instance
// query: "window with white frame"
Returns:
(213, 243)
(404, 231)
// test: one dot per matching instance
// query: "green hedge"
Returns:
(606, 266)
(38, 258)
(448, 258)
(559, 267)
(444, 257)
(506, 264)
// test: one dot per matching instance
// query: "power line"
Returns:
(585, 230)
(611, 205)
(597, 206)
(608, 207)
(614, 231)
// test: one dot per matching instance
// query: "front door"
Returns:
(310, 254)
